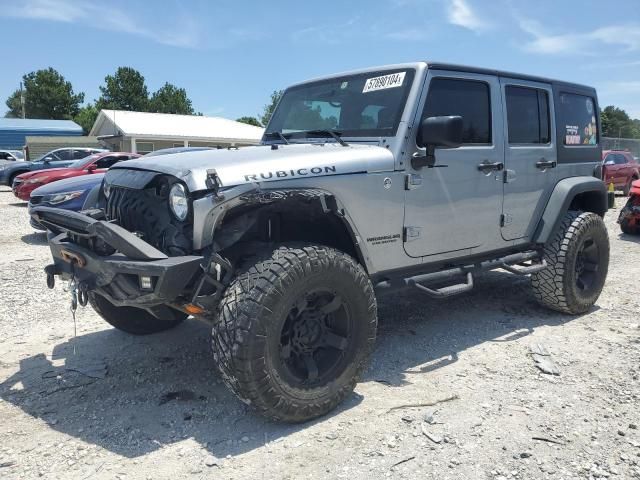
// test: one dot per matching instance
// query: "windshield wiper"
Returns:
(332, 133)
(278, 135)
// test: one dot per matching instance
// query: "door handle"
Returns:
(487, 166)
(543, 164)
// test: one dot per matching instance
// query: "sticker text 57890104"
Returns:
(392, 80)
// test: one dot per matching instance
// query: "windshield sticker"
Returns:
(393, 80)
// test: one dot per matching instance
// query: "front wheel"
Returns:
(578, 260)
(134, 320)
(295, 330)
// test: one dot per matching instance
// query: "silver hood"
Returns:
(266, 164)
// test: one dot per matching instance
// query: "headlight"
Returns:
(36, 180)
(106, 189)
(57, 198)
(178, 201)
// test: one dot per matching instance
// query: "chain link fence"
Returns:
(630, 144)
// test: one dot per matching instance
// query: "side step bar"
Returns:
(511, 263)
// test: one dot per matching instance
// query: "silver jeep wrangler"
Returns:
(407, 176)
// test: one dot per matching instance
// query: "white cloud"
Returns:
(460, 13)
(582, 43)
(184, 34)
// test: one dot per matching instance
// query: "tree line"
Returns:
(48, 95)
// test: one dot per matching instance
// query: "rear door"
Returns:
(455, 206)
(530, 154)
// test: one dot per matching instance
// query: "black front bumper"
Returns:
(117, 276)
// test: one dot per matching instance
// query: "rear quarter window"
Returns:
(578, 119)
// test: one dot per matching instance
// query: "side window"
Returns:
(610, 159)
(78, 154)
(469, 99)
(4, 156)
(107, 162)
(61, 155)
(578, 116)
(620, 159)
(527, 115)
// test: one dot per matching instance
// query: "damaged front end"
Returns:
(134, 251)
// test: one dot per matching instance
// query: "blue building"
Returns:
(14, 130)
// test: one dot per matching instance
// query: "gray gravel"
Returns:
(154, 407)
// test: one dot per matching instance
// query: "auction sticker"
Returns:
(392, 80)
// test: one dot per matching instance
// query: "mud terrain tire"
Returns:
(295, 330)
(578, 259)
(134, 321)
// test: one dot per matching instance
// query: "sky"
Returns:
(230, 55)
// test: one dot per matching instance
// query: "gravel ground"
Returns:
(102, 404)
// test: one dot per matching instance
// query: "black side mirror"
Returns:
(444, 131)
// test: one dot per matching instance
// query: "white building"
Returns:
(141, 132)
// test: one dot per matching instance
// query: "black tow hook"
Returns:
(83, 294)
(50, 270)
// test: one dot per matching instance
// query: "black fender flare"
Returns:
(565, 191)
(330, 205)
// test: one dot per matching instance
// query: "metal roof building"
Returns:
(142, 132)
(14, 130)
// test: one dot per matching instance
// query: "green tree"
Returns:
(617, 123)
(249, 121)
(86, 117)
(47, 95)
(276, 95)
(171, 99)
(125, 90)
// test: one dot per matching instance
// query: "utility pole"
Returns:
(22, 101)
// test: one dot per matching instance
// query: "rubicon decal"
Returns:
(299, 172)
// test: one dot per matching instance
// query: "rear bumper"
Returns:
(116, 277)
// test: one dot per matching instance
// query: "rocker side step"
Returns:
(444, 292)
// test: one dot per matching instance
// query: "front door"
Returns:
(530, 155)
(456, 205)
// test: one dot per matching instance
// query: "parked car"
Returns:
(69, 194)
(61, 157)
(76, 193)
(25, 183)
(620, 168)
(9, 156)
(413, 176)
(629, 218)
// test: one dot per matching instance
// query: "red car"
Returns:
(620, 168)
(24, 184)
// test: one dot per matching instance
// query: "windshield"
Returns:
(363, 105)
(84, 162)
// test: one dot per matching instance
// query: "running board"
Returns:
(444, 292)
(514, 263)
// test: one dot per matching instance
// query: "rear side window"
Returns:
(468, 98)
(527, 115)
(63, 154)
(107, 162)
(577, 112)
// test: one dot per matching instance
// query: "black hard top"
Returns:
(502, 73)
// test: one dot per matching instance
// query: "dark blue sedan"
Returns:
(69, 194)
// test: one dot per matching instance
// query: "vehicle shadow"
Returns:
(35, 238)
(163, 388)
(629, 238)
(19, 204)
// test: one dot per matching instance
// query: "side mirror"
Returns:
(47, 159)
(444, 132)
(92, 168)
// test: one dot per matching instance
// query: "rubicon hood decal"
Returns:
(266, 164)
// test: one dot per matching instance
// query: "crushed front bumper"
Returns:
(135, 274)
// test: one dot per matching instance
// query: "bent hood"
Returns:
(265, 163)
(85, 182)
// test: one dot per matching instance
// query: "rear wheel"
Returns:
(295, 331)
(134, 320)
(578, 260)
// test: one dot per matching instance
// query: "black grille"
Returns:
(146, 213)
(35, 199)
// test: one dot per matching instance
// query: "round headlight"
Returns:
(106, 189)
(178, 201)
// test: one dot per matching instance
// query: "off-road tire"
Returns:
(247, 334)
(134, 321)
(556, 286)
